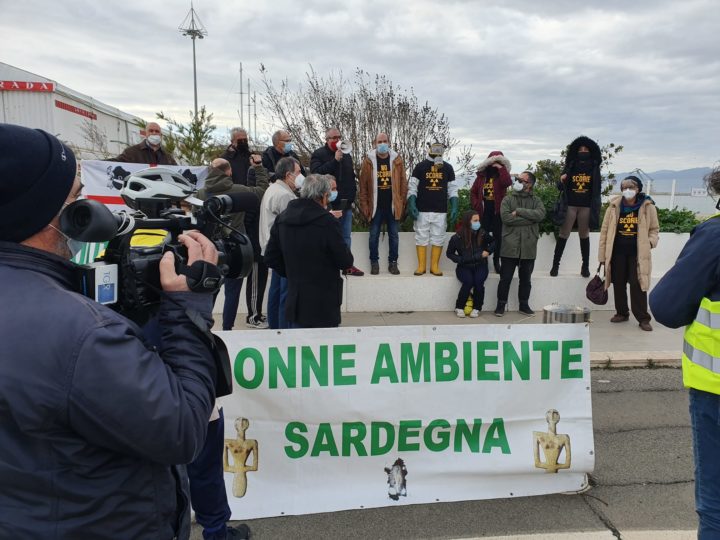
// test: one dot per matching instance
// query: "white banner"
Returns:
(102, 181)
(334, 419)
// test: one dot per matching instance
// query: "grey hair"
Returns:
(328, 130)
(315, 187)
(284, 166)
(712, 181)
(235, 130)
(276, 135)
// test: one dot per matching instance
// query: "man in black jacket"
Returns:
(238, 155)
(330, 159)
(306, 246)
(93, 421)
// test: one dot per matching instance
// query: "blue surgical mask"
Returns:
(333, 196)
(383, 148)
(475, 225)
(288, 147)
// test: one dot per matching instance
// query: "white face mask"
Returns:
(518, 185)
(299, 180)
(154, 139)
(629, 194)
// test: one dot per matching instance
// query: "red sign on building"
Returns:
(26, 86)
(73, 109)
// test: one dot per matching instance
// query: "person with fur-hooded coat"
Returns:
(579, 199)
(487, 193)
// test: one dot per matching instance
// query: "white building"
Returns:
(30, 100)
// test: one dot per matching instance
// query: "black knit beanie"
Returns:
(37, 173)
(636, 180)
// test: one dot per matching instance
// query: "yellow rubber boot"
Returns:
(435, 260)
(422, 260)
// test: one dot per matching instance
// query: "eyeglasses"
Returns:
(334, 138)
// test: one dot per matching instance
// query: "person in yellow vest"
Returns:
(689, 295)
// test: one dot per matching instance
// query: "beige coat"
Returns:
(647, 238)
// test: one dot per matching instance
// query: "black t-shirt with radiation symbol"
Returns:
(384, 184)
(627, 231)
(432, 194)
(578, 185)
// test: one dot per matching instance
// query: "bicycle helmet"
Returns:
(155, 183)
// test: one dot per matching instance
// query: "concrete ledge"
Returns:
(635, 359)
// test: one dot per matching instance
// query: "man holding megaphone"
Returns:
(334, 158)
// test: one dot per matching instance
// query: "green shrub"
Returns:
(676, 220)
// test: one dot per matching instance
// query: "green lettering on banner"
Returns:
(545, 348)
(483, 360)
(408, 429)
(467, 360)
(567, 358)
(276, 365)
(376, 448)
(446, 366)
(353, 434)
(443, 435)
(340, 364)
(521, 363)
(496, 437)
(310, 363)
(257, 359)
(471, 435)
(324, 441)
(384, 365)
(293, 434)
(412, 365)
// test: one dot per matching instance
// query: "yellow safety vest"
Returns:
(701, 349)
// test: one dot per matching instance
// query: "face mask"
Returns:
(629, 194)
(518, 185)
(333, 196)
(383, 148)
(154, 139)
(438, 160)
(299, 180)
(242, 146)
(475, 225)
(288, 147)
(74, 246)
(584, 156)
(333, 145)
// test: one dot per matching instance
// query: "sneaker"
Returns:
(474, 314)
(238, 532)
(374, 268)
(393, 269)
(524, 308)
(459, 313)
(500, 310)
(352, 271)
(645, 325)
(259, 324)
(619, 318)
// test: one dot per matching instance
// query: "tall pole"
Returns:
(241, 98)
(193, 27)
(255, 112)
(249, 104)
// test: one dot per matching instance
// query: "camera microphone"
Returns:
(232, 203)
(87, 220)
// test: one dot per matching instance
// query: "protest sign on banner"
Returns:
(102, 181)
(324, 420)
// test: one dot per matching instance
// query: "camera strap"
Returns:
(202, 276)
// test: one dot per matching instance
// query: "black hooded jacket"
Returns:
(307, 247)
(571, 162)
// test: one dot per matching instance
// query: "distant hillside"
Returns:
(662, 180)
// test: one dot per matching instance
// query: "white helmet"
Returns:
(155, 183)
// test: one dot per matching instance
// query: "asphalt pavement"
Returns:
(642, 486)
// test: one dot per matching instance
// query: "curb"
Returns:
(635, 359)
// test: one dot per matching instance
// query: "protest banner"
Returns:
(332, 419)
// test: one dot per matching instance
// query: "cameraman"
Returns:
(93, 422)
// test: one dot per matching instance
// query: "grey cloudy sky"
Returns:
(524, 77)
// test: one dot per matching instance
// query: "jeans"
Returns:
(276, 302)
(207, 486)
(525, 269)
(346, 225)
(232, 300)
(384, 216)
(471, 277)
(705, 417)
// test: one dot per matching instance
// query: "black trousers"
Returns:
(255, 290)
(525, 269)
(492, 223)
(623, 270)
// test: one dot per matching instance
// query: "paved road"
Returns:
(643, 482)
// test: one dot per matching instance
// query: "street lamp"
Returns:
(196, 30)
